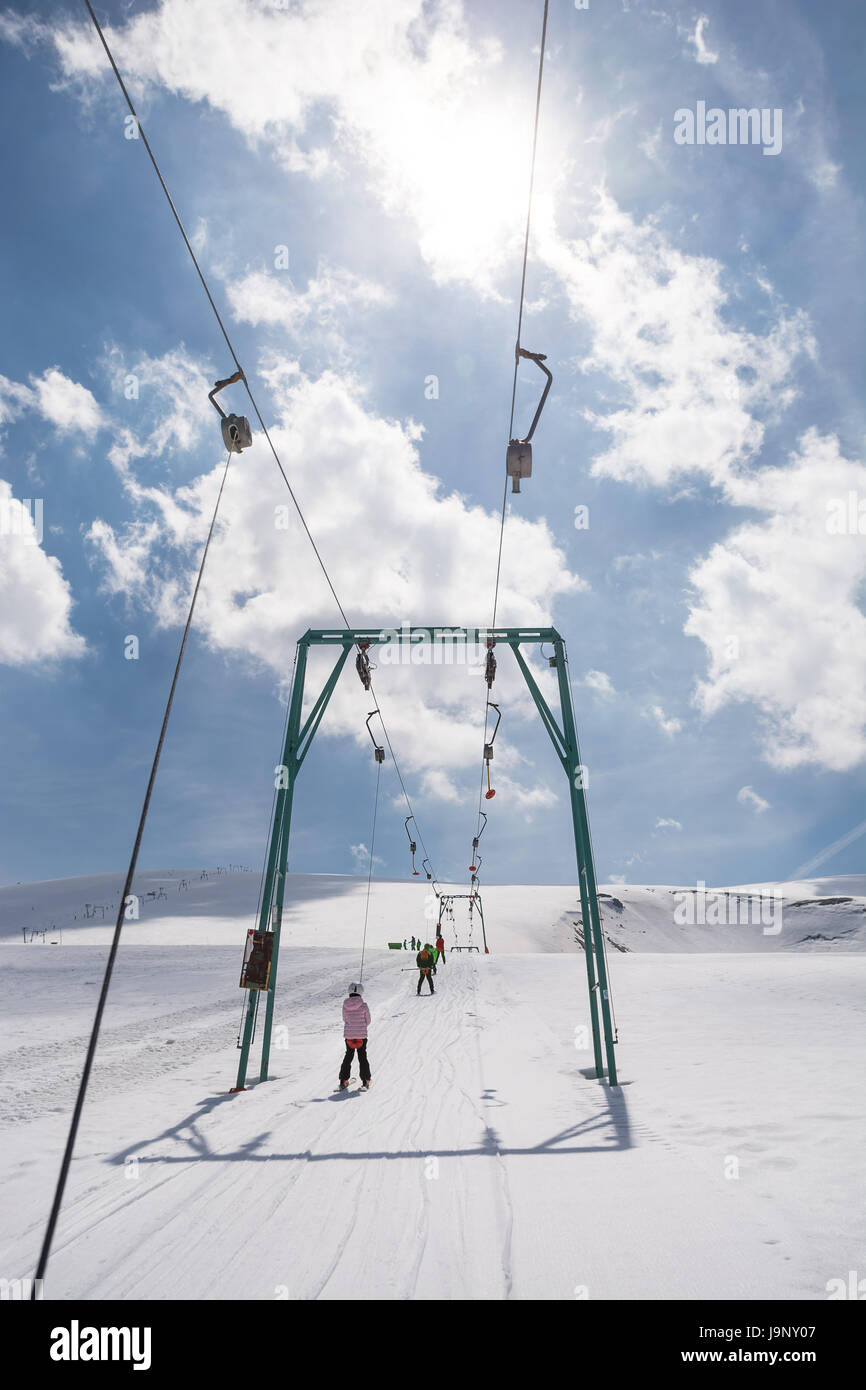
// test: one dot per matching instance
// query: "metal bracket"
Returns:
(412, 845)
(236, 431)
(490, 663)
(362, 665)
(518, 459)
(539, 358)
(380, 752)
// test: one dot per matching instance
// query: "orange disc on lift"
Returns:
(488, 795)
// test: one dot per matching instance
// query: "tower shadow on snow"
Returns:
(609, 1131)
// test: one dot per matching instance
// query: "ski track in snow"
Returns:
(483, 1163)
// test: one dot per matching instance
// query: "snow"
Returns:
(486, 1162)
(329, 909)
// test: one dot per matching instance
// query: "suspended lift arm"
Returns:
(518, 459)
(488, 749)
(412, 845)
(236, 431)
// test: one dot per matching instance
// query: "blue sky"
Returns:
(701, 308)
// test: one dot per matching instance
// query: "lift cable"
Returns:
(100, 1008)
(222, 326)
(516, 364)
(403, 784)
(370, 874)
(121, 913)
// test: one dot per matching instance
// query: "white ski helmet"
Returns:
(356, 989)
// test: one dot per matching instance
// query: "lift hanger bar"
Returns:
(380, 752)
(539, 358)
(236, 431)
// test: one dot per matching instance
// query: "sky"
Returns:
(354, 180)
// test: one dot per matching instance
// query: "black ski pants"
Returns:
(364, 1065)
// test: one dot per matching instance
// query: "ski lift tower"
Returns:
(299, 736)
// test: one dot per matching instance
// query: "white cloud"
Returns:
(702, 52)
(600, 682)
(524, 799)
(64, 403)
(616, 878)
(320, 312)
(396, 545)
(272, 298)
(747, 796)
(68, 406)
(668, 726)
(825, 174)
(171, 407)
(691, 384)
(783, 588)
(35, 599)
(361, 856)
(199, 237)
(438, 786)
(602, 129)
(787, 590)
(651, 144)
(14, 399)
(664, 824)
(410, 99)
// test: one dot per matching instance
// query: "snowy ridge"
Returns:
(180, 907)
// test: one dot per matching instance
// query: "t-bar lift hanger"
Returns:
(237, 434)
(518, 459)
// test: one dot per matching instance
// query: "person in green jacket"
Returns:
(425, 961)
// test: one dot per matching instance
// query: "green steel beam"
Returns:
(334, 637)
(312, 723)
(565, 752)
(556, 736)
(586, 868)
(273, 888)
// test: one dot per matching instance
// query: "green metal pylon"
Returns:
(565, 743)
(586, 867)
(297, 744)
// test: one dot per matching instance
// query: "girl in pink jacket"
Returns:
(356, 1017)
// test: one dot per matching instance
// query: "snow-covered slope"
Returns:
(179, 907)
(484, 1164)
(487, 1162)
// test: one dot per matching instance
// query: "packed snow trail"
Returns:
(483, 1164)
